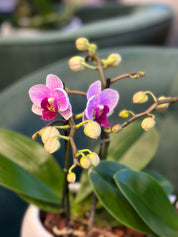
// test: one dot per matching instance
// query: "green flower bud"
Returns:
(148, 123)
(75, 64)
(94, 158)
(71, 177)
(164, 106)
(52, 144)
(85, 162)
(114, 60)
(92, 129)
(35, 136)
(82, 44)
(116, 128)
(139, 97)
(124, 113)
(48, 132)
(92, 48)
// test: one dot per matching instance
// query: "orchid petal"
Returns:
(37, 110)
(62, 98)
(67, 113)
(109, 97)
(53, 82)
(84, 117)
(38, 92)
(91, 105)
(48, 115)
(94, 89)
(103, 121)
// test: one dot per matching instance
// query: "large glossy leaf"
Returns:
(133, 146)
(165, 184)
(149, 200)
(112, 199)
(48, 207)
(28, 170)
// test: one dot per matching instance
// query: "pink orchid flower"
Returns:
(100, 104)
(50, 99)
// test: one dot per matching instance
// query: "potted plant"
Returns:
(136, 199)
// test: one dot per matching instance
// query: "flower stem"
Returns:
(100, 69)
(93, 210)
(81, 124)
(76, 92)
(150, 109)
(104, 145)
(65, 204)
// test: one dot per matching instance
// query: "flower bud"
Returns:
(82, 44)
(114, 60)
(35, 136)
(142, 74)
(71, 177)
(94, 158)
(105, 63)
(139, 97)
(116, 128)
(48, 132)
(52, 144)
(164, 106)
(92, 130)
(93, 48)
(85, 162)
(75, 64)
(124, 113)
(148, 123)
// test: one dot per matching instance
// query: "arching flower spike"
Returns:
(100, 104)
(50, 99)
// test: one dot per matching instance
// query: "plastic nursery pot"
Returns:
(107, 25)
(161, 78)
(32, 225)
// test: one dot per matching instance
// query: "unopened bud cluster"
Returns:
(49, 137)
(78, 63)
(91, 159)
(85, 162)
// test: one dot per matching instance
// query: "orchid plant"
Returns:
(116, 185)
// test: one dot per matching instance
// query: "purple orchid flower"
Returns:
(50, 99)
(100, 104)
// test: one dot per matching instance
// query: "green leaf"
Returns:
(28, 169)
(45, 206)
(149, 200)
(112, 199)
(165, 184)
(133, 146)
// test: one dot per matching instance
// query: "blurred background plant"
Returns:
(43, 14)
